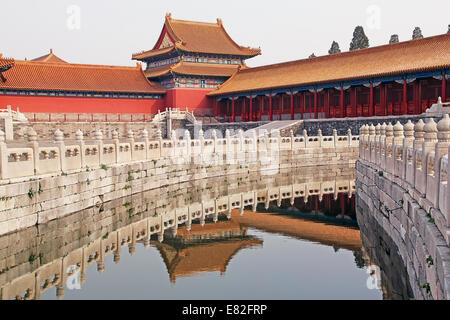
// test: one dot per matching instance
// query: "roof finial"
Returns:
(51, 50)
(219, 21)
(169, 15)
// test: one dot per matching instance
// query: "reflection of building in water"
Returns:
(326, 204)
(69, 245)
(327, 233)
(204, 249)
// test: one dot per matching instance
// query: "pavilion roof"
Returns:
(193, 68)
(51, 76)
(197, 37)
(419, 55)
(50, 57)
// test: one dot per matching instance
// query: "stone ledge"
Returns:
(428, 255)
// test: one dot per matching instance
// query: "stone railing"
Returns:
(61, 156)
(175, 114)
(402, 189)
(416, 158)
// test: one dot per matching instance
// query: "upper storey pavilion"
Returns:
(191, 59)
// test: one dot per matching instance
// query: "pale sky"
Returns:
(109, 31)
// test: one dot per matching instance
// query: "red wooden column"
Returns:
(353, 101)
(316, 112)
(250, 116)
(261, 107)
(425, 88)
(327, 103)
(416, 96)
(444, 88)
(292, 105)
(405, 98)
(383, 98)
(270, 107)
(216, 109)
(243, 110)
(419, 97)
(371, 107)
(304, 103)
(233, 116)
(281, 108)
(342, 103)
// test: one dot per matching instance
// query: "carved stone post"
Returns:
(428, 145)
(389, 148)
(98, 138)
(408, 130)
(130, 140)
(187, 138)
(397, 148)
(441, 149)
(115, 136)
(319, 133)
(376, 156)
(80, 139)
(370, 143)
(144, 135)
(58, 136)
(32, 139)
(3, 156)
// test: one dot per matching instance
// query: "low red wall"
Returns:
(194, 99)
(80, 104)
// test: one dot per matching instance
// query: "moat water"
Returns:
(291, 250)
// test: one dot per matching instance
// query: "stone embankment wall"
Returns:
(401, 181)
(45, 181)
(76, 241)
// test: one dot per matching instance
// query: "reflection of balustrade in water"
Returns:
(137, 218)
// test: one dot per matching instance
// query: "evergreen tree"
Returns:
(394, 39)
(448, 31)
(312, 55)
(360, 40)
(334, 48)
(417, 33)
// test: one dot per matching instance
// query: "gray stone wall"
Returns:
(419, 242)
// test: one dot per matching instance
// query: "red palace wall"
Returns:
(49, 104)
(194, 99)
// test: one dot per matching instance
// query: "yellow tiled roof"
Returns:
(35, 75)
(403, 57)
(199, 37)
